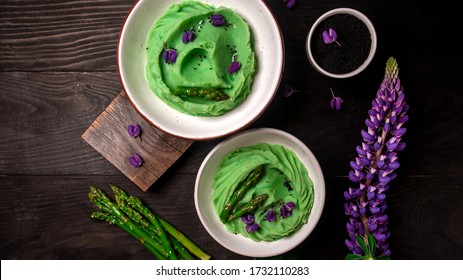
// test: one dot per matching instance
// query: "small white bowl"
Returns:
(268, 48)
(203, 193)
(368, 24)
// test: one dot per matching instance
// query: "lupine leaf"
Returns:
(362, 244)
(354, 257)
(371, 244)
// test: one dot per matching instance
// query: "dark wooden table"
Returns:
(58, 72)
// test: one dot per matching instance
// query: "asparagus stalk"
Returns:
(143, 223)
(136, 203)
(248, 207)
(100, 216)
(122, 198)
(178, 240)
(214, 94)
(185, 241)
(250, 180)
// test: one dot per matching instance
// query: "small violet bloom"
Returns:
(217, 20)
(248, 218)
(330, 36)
(136, 160)
(336, 102)
(287, 91)
(286, 209)
(271, 215)
(134, 130)
(188, 36)
(252, 227)
(234, 67)
(169, 55)
(290, 3)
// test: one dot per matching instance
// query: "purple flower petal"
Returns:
(217, 20)
(285, 212)
(252, 227)
(399, 132)
(290, 3)
(287, 91)
(327, 38)
(169, 55)
(332, 103)
(367, 137)
(188, 36)
(172, 56)
(374, 210)
(271, 215)
(290, 205)
(338, 103)
(185, 37)
(234, 67)
(134, 130)
(136, 160)
(248, 219)
(349, 244)
(333, 34)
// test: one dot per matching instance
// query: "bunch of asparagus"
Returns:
(154, 233)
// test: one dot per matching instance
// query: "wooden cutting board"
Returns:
(108, 135)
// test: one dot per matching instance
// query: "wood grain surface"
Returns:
(58, 73)
(159, 150)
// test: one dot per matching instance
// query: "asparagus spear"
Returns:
(248, 207)
(102, 201)
(143, 223)
(100, 216)
(122, 197)
(205, 93)
(185, 241)
(250, 180)
(136, 203)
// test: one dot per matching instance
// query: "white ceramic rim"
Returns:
(237, 243)
(370, 27)
(231, 123)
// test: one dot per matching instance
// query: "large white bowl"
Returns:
(269, 49)
(203, 193)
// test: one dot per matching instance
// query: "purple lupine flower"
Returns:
(234, 67)
(290, 3)
(335, 102)
(134, 130)
(252, 227)
(217, 20)
(374, 167)
(136, 160)
(188, 36)
(286, 209)
(330, 36)
(248, 218)
(271, 215)
(169, 55)
(288, 90)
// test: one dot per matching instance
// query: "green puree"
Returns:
(285, 179)
(202, 63)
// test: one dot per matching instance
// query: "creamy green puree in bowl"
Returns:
(195, 50)
(285, 179)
